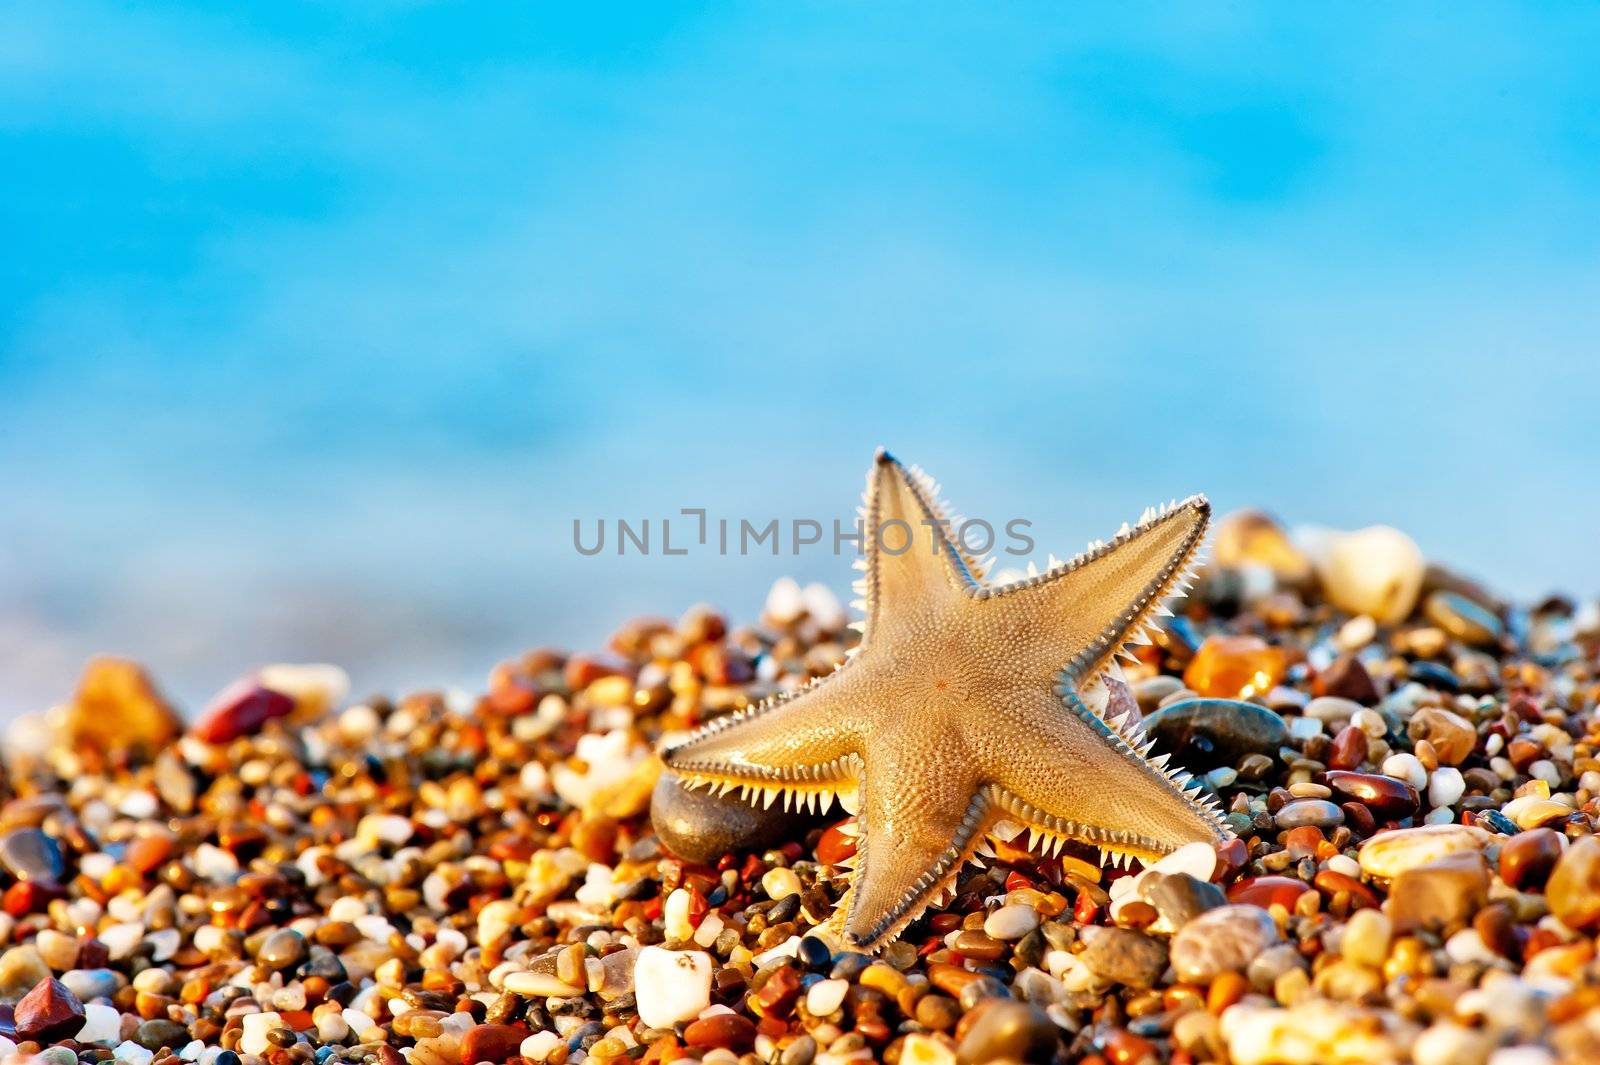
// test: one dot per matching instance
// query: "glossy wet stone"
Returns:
(1006, 1030)
(1203, 734)
(1386, 797)
(30, 854)
(1226, 667)
(1451, 735)
(240, 710)
(1316, 813)
(1527, 858)
(700, 827)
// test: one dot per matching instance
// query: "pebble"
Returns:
(1527, 858)
(1366, 938)
(256, 1027)
(1376, 571)
(826, 996)
(1448, 1043)
(1317, 813)
(117, 706)
(1388, 854)
(1405, 766)
(240, 710)
(21, 969)
(1203, 734)
(1004, 1030)
(30, 854)
(48, 1013)
(1463, 619)
(1011, 922)
(1451, 735)
(89, 984)
(699, 827)
(1446, 785)
(1389, 798)
(1444, 891)
(671, 986)
(1573, 890)
(1178, 897)
(491, 1042)
(1230, 667)
(1122, 956)
(101, 1024)
(1221, 940)
(283, 949)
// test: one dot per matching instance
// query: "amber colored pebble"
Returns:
(950, 979)
(1122, 1047)
(146, 853)
(1331, 883)
(1136, 914)
(1228, 988)
(729, 1031)
(1228, 667)
(1302, 842)
(493, 1042)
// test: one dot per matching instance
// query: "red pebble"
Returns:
(491, 1042)
(834, 846)
(240, 710)
(1349, 749)
(1332, 883)
(1263, 891)
(1231, 857)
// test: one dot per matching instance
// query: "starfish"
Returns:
(961, 713)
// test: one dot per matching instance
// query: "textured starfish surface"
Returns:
(963, 714)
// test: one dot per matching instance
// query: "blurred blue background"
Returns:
(319, 324)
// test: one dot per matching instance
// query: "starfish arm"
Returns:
(1078, 615)
(915, 831)
(912, 557)
(1061, 772)
(804, 746)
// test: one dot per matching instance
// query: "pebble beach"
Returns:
(297, 874)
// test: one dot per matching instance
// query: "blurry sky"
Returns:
(320, 323)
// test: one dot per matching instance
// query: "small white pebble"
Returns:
(780, 882)
(1011, 922)
(826, 996)
(1343, 863)
(675, 916)
(538, 1046)
(1446, 786)
(134, 1054)
(1545, 770)
(1404, 766)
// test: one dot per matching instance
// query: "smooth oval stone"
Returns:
(1206, 733)
(700, 827)
(1317, 813)
(1388, 854)
(1527, 858)
(1463, 619)
(1221, 940)
(283, 949)
(1388, 798)
(1006, 1030)
(1574, 887)
(30, 854)
(1263, 891)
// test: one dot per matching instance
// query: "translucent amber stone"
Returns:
(1233, 667)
